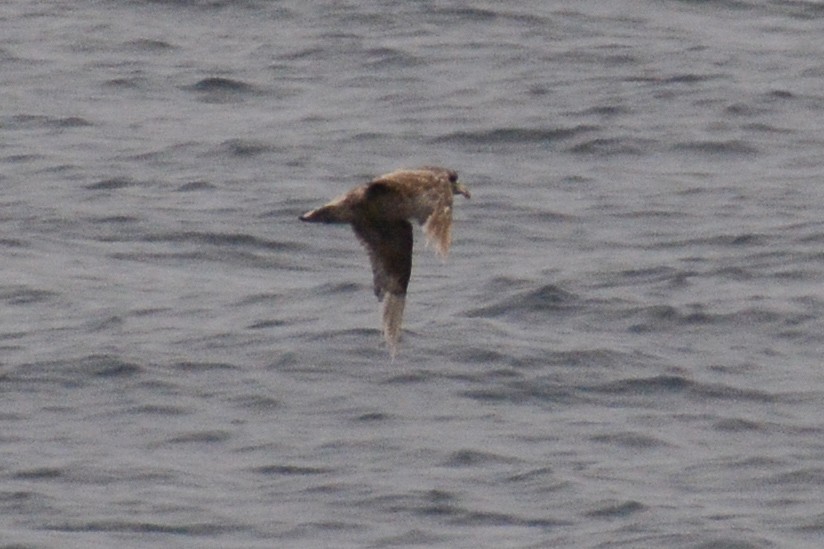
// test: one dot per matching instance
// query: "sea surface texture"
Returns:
(625, 347)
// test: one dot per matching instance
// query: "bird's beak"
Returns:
(460, 189)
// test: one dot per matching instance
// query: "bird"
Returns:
(380, 212)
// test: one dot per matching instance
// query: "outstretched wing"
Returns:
(389, 244)
(438, 227)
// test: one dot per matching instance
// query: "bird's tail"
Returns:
(392, 317)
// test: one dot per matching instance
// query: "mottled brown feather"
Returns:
(379, 213)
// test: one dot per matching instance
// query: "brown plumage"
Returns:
(379, 212)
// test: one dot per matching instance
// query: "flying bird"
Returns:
(380, 212)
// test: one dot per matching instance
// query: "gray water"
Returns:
(624, 348)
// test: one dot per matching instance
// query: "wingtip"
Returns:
(329, 213)
(392, 319)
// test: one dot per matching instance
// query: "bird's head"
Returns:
(457, 188)
(451, 176)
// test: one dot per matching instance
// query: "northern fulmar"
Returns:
(379, 212)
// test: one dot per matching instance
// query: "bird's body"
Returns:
(380, 212)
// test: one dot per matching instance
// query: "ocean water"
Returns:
(624, 348)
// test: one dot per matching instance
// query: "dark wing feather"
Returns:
(377, 189)
(389, 244)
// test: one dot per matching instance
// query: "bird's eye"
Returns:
(453, 177)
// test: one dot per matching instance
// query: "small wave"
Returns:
(221, 90)
(651, 275)
(21, 158)
(662, 317)
(371, 136)
(766, 128)
(538, 474)
(12, 243)
(502, 283)
(160, 410)
(389, 58)
(742, 109)
(40, 473)
(70, 122)
(409, 378)
(334, 288)
(195, 186)
(372, 417)
(513, 136)
(617, 509)
(221, 85)
(200, 367)
(607, 110)
(259, 403)
(471, 13)
(244, 147)
(657, 318)
(33, 121)
(644, 386)
(266, 324)
(780, 95)
(737, 425)
(200, 437)
(112, 184)
(24, 295)
(446, 505)
(125, 83)
(76, 371)
(197, 529)
(663, 385)
(741, 239)
(685, 78)
(95, 366)
(481, 355)
(545, 299)
(291, 470)
(802, 478)
(524, 392)
(472, 458)
(179, 258)
(494, 519)
(485, 16)
(238, 240)
(731, 147)
(519, 362)
(732, 240)
(105, 366)
(431, 502)
(149, 45)
(612, 146)
(308, 52)
(413, 538)
(117, 219)
(637, 441)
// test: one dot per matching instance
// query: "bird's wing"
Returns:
(438, 226)
(392, 318)
(389, 244)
